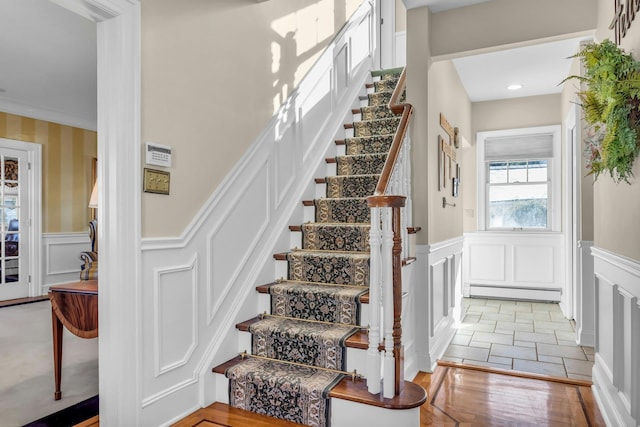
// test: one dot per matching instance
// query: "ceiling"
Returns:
(538, 68)
(48, 63)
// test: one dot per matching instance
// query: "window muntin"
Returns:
(518, 194)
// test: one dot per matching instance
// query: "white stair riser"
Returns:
(309, 214)
(356, 360)
(332, 169)
(295, 239)
(222, 388)
(321, 191)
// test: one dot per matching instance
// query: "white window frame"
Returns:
(554, 205)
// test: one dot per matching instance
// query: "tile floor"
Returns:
(519, 335)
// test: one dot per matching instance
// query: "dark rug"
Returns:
(70, 416)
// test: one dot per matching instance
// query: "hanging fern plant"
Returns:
(611, 108)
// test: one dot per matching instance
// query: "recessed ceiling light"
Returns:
(514, 86)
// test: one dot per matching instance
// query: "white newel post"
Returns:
(387, 309)
(373, 354)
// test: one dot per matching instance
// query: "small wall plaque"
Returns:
(156, 181)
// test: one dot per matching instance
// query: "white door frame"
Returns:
(387, 33)
(34, 157)
(571, 202)
(119, 205)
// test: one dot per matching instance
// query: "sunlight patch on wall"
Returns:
(300, 38)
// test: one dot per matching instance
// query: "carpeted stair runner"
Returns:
(282, 390)
(336, 237)
(347, 209)
(368, 144)
(301, 341)
(318, 307)
(321, 302)
(361, 164)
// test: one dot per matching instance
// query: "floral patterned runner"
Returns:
(343, 268)
(291, 392)
(301, 341)
(317, 301)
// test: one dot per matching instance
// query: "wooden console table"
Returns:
(74, 305)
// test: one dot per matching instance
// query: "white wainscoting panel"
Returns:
(438, 298)
(616, 372)
(61, 257)
(235, 236)
(409, 326)
(176, 315)
(585, 315)
(197, 287)
(514, 265)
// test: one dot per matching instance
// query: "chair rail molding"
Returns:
(616, 372)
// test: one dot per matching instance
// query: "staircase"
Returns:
(312, 344)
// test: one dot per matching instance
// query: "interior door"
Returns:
(14, 224)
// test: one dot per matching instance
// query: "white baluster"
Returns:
(387, 307)
(373, 354)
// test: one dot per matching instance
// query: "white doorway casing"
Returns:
(119, 205)
(33, 154)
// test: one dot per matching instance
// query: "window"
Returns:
(518, 194)
(519, 180)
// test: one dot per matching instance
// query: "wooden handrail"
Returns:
(406, 110)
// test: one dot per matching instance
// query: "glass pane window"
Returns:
(518, 194)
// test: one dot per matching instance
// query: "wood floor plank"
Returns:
(474, 398)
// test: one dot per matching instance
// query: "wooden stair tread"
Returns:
(222, 415)
(308, 203)
(340, 142)
(280, 257)
(348, 126)
(320, 180)
(331, 160)
(413, 230)
(222, 368)
(412, 396)
(356, 111)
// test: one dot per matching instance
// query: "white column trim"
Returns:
(119, 205)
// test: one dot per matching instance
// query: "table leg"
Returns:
(57, 352)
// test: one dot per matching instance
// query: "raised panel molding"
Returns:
(175, 315)
(514, 265)
(616, 372)
(438, 265)
(61, 259)
(526, 264)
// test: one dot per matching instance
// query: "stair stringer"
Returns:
(189, 309)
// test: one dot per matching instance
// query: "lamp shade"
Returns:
(93, 200)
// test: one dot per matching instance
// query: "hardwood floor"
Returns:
(468, 396)
(462, 396)
(473, 397)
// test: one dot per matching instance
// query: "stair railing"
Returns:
(390, 213)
